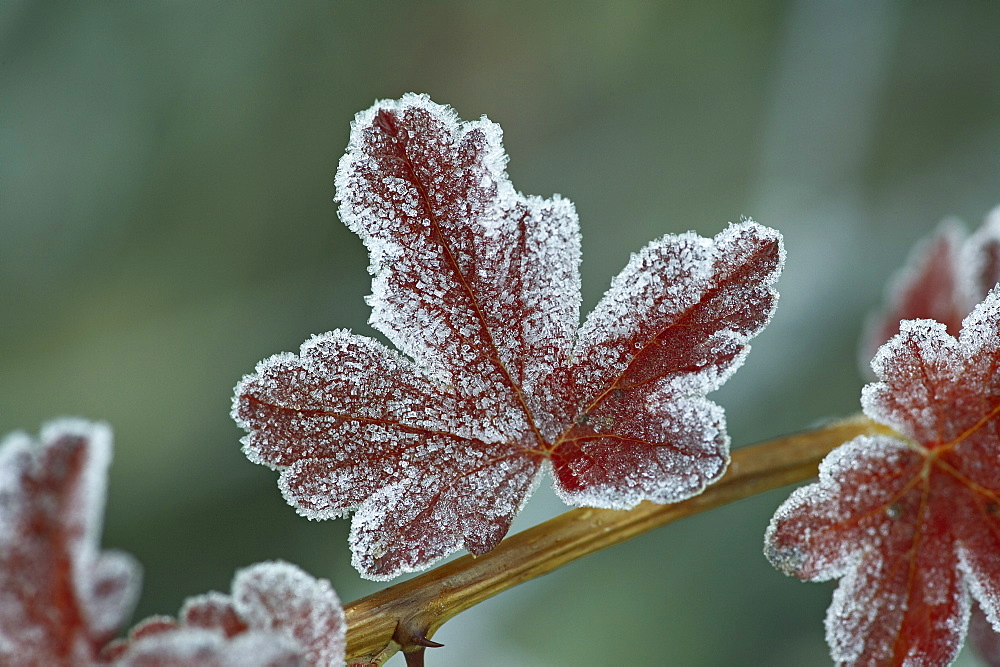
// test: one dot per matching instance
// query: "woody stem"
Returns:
(406, 615)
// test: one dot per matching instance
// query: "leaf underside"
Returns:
(436, 445)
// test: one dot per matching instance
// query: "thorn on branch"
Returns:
(414, 653)
(413, 641)
(423, 642)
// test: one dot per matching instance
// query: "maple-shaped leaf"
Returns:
(61, 598)
(438, 445)
(944, 277)
(276, 616)
(910, 523)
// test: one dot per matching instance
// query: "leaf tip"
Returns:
(787, 560)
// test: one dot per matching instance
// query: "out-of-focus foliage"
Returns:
(166, 221)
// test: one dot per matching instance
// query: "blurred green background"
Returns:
(166, 222)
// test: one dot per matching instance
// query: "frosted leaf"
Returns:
(190, 647)
(911, 524)
(919, 385)
(477, 283)
(673, 327)
(934, 387)
(477, 286)
(277, 615)
(213, 611)
(679, 315)
(622, 456)
(434, 516)
(944, 277)
(61, 598)
(929, 286)
(277, 596)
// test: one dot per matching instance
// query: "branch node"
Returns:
(412, 637)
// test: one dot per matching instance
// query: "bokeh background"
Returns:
(166, 222)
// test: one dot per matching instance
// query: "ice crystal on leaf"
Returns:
(438, 445)
(61, 597)
(911, 523)
(276, 616)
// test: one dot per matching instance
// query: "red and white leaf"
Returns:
(61, 598)
(280, 597)
(911, 523)
(673, 327)
(477, 286)
(929, 286)
(213, 611)
(943, 279)
(277, 615)
(475, 282)
(197, 647)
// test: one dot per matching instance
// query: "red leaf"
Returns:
(911, 523)
(478, 286)
(277, 615)
(195, 647)
(61, 598)
(213, 611)
(943, 279)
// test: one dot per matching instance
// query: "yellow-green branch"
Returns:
(406, 615)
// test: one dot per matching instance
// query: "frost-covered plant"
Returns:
(943, 280)
(436, 445)
(910, 521)
(62, 600)
(276, 615)
(478, 286)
